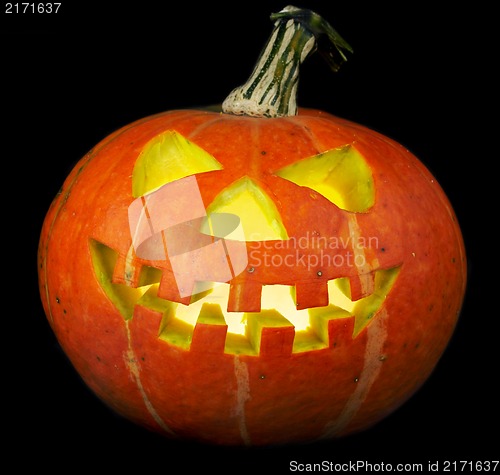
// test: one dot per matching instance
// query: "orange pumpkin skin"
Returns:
(278, 395)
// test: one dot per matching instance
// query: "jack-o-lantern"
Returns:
(257, 276)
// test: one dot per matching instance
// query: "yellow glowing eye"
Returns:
(166, 158)
(341, 175)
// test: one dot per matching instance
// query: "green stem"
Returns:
(271, 90)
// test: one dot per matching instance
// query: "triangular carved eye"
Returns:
(257, 212)
(166, 158)
(341, 175)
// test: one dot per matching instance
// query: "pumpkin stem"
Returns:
(271, 89)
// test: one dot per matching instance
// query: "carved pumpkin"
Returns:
(257, 276)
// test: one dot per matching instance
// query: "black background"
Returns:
(418, 74)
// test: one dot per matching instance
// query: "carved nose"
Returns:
(259, 216)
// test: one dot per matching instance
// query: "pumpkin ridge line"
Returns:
(298, 121)
(214, 120)
(133, 367)
(242, 396)
(62, 198)
(372, 365)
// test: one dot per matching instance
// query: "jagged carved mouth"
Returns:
(307, 327)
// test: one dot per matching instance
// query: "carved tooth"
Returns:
(209, 334)
(126, 270)
(270, 333)
(311, 294)
(362, 285)
(332, 325)
(169, 290)
(245, 297)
